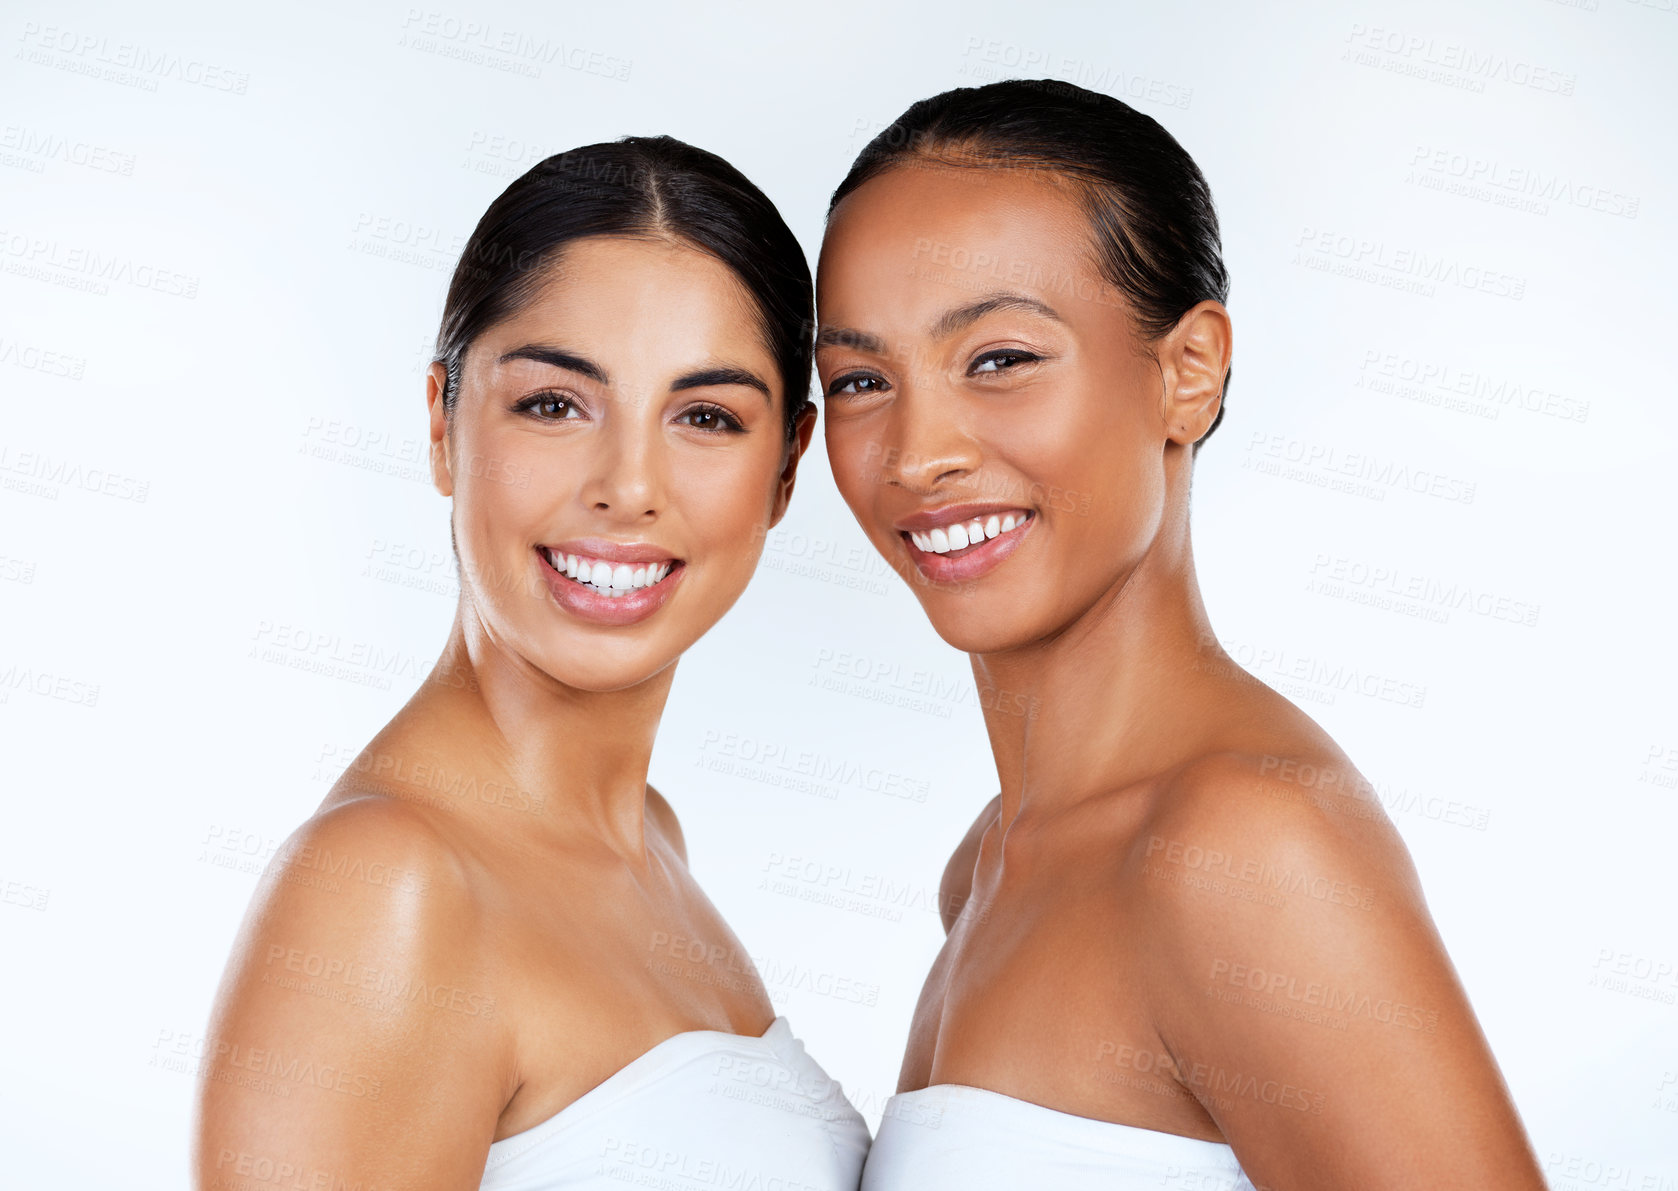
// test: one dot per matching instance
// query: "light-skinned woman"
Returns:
(483, 962)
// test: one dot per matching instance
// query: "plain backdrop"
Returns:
(1438, 514)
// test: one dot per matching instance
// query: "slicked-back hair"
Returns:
(638, 187)
(1152, 221)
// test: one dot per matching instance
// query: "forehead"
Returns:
(925, 234)
(643, 296)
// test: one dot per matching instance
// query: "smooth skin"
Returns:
(466, 936)
(1183, 879)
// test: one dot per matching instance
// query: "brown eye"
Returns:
(856, 382)
(550, 407)
(712, 418)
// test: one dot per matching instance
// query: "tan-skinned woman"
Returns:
(1172, 960)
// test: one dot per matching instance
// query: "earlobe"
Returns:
(1195, 361)
(442, 475)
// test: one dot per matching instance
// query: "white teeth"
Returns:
(612, 579)
(956, 537)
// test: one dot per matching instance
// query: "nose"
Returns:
(926, 441)
(626, 471)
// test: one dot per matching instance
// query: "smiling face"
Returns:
(616, 455)
(979, 373)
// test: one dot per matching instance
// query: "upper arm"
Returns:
(957, 885)
(1304, 994)
(660, 812)
(355, 1038)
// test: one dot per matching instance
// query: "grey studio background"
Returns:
(1437, 514)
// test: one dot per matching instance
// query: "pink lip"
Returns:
(609, 551)
(584, 601)
(951, 514)
(973, 561)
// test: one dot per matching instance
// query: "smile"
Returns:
(959, 536)
(961, 543)
(614, 580)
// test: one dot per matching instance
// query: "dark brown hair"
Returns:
(637, 186)
(1151, 216)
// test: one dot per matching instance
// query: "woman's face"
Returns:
(616, 456)
(978, 373)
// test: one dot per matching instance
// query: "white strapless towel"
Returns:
(950, 1136)
(702, 1110)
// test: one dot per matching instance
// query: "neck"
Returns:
(1111, 697)
(523, 754)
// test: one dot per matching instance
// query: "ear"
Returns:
(442, 472)
(1194, 362)
(802, 429)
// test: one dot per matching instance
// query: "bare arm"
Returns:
(1306, 998)
(355, 1040)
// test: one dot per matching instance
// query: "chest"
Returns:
(596, 972)
(1040, 992)
(624, 947)
(1040, 966)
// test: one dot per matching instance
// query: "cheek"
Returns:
(1091, 439)
(854, 458)
(504, 486)
(490, 534)
(723, 501)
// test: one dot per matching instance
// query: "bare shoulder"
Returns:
(663, 816)
(367, 853)
(1290, 950)
(957, 884)
(363, 962)
(1293, 840)
(372, 882)
(1301, 800)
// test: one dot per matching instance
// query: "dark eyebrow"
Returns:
(845, 337)
(965, 316)
(725, 375)
(951, 322)
(557, 358)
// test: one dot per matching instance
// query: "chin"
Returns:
(601, 675)
(973, 624)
